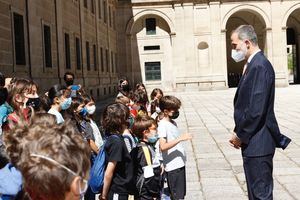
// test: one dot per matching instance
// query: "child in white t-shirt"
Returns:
(173, 153)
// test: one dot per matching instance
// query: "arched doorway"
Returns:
(293, 42)
(151, 50)
(234, 70)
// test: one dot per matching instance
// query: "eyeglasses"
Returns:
(83, 187)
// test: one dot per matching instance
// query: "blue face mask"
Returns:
(83, 112)
(66, 103)
(153, 137)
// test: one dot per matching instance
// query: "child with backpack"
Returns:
(173, 153)
(118, 177)
(147, 159)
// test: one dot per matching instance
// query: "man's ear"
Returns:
(74, 188)
(248, 43)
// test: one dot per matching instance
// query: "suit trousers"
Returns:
(259, 178)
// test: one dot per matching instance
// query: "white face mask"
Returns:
(239, 55)
(91, 109)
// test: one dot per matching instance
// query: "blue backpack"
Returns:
(97, 171)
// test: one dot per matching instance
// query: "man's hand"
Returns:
(235, 141)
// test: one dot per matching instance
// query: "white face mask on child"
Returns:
(91, 109)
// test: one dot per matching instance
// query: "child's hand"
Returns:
(185, 136)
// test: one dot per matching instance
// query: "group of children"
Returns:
(50, 142)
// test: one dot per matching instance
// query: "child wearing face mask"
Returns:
(18, 96)
(34, 100)
(173, 153)
(79, 113)
(59, 100)
(118, 177)
(91, 109)
(153, 107)
(147, 159)
(52, 158)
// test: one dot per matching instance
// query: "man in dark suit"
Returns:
(256, 130)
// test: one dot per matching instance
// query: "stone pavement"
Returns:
(214, 168)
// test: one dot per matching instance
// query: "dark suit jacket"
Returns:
(255, 122)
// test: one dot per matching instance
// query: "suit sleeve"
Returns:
(255, 113)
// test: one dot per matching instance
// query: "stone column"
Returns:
(217, 38)
(224, 56)
(279, 54)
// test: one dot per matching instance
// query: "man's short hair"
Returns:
(70, 74)
(246, 32)
(169, 103)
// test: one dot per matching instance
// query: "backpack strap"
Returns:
(147, 155)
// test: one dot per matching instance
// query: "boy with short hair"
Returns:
(147, 158)
(173, 153)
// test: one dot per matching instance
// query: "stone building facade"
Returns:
(176, 45)
(42, 39)
(185, 45)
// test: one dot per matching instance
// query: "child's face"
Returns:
(158, 95)
(151, 134)
(172, 114)
(80, 107)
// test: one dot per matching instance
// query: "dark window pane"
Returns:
(88, 61)
(112, 61)
(100, 8)
(149, 48)
(95, 57)
(19, 39)
(67, 51)
(109, 15)
(47, 46)
(107, 60)
(105, 11)
(114, 19)
(78, 54)
(152, 71)
(92, 6)
(102, 64)
(150, 26)
(85, 3)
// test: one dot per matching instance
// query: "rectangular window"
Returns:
(149, 48)
(100, 8)
(19, 39)
(107, 60)
(105, 11)
(95, 57)
(102, 64)
(152, 71)
(47, 46)
(109, 15)
(85, 3)
(78, 54)
(88, 61)
(112, 61)
(67, 51)
(114, 19)
(116, 61)
(93, 6)
(150, 26)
